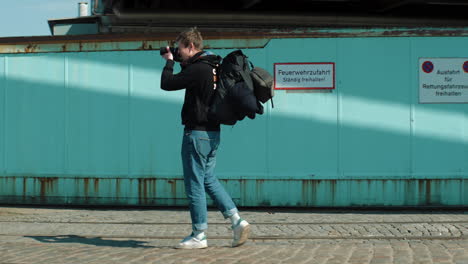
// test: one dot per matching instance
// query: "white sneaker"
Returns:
(191, 242)
(241, 233)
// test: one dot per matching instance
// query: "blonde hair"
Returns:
(191, 35)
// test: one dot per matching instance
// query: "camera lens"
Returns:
(162, 51)
(174, 51)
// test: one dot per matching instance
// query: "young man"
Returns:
(201, 138)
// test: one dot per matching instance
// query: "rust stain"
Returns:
(247, 38)
(46, 185)
(173, 184)
(244, 34)
(314, 190)
(421, 32)
(428, 192)
(259, 188)
(24, 186)
(306, 191)
(153, 187)
(384, 182)
(333, 190)
(31, 48)
(86, 187)
(14, 186)
(420, 188)
(142, 192)
(145, 184)
(96, 186)
(243, 189)
(77, 185)
(408, 191)
(117, 187)
(144, 45)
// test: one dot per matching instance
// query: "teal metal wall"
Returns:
(95, 128)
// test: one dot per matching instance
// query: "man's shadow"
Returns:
(96, 241)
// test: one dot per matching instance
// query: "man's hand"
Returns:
(168, 55)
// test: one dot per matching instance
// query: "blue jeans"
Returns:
(199, 160)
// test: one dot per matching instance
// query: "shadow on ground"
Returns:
(96, 241)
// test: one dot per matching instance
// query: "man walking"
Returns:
(201, 138)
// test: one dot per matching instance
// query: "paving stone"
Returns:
(67, 235)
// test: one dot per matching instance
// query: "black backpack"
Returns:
(263, 85)
(237, 89)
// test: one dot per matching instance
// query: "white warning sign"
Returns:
(443, 80)
(312, 75)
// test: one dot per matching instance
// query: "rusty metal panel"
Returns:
(245, 38)
(99, 191)
(253, 192)
(95, 128)
(31, 46)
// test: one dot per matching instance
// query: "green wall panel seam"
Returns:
(5, 141)
(411, 114)
(338, 112)
(66, 113)
(268, 125)
(129, 107)
(465, 134)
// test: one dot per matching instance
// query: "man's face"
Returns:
(185, 52)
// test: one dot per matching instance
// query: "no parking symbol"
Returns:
(428, 66)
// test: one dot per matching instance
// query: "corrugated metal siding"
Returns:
(94, 127)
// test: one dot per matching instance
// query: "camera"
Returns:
(174, 51)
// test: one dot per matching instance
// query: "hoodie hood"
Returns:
(206, 57)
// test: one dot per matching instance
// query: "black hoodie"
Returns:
(197, 78)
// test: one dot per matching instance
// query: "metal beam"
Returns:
(249, 3)
(387, 5)
(256, 20)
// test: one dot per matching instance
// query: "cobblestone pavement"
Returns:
(74, 235)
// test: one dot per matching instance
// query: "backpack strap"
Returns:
(245, 73)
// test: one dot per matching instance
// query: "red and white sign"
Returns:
(299, 76)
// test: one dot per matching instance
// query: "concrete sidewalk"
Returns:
(71, 235)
